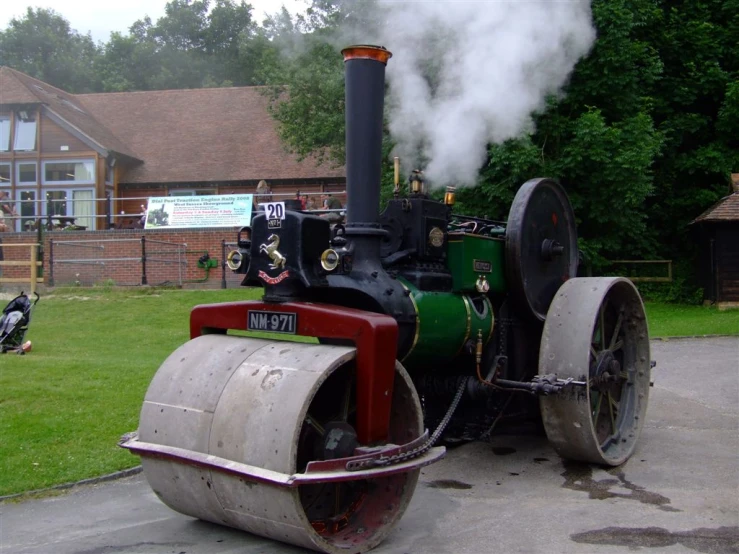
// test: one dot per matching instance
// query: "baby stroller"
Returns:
(14, 324)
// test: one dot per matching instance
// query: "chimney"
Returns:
(735, 182)
(365, 97)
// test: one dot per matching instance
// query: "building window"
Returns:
(4, 175)
(4, 134)
(70, 207)
(56, 203)
(83, 208)
(29, 209)
(77, 171)
(26, 172)
(25, 132)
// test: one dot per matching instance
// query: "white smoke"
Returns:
(493, 63)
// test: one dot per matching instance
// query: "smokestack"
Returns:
(365, 98)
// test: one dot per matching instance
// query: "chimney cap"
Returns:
(367, 52)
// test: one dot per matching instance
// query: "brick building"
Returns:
(92, 160)
(89, 158)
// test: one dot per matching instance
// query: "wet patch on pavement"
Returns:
(448, 484)
(579, 477)
(722, 540)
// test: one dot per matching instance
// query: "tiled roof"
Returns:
(201, 135)
(19, 88)
(726, 209)
(12, 89)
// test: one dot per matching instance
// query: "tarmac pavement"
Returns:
(679, 493)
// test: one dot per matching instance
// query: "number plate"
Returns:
(273, 322)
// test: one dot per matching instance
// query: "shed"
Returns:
(717, 231)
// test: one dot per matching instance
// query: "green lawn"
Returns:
(680, 320)
(64, 406)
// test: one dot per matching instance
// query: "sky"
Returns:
(100, 18)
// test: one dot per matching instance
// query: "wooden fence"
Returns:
(33, 263)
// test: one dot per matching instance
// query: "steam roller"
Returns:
(305, 416)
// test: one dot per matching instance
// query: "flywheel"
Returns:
(596, 333)
(230, 425)
(541, 244)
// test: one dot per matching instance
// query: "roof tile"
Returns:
(726, 209)
(201, 135)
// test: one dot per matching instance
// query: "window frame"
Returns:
(18, 181)
(64, 184)
(6, 146)
(19, 121)
(69, 200)
(7, 183)
(19, 192)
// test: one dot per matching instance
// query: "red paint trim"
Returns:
(375, 336)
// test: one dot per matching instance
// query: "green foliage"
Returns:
(42, 45)
(312, 121)
(191, 46)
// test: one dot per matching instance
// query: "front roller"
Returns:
(255, 434)
(596, 334)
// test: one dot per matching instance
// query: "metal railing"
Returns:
(89, 262)
(60, 213)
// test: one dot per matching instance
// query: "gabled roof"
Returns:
(726, 209)
(201, 135)
(18, 88)
(13, 90)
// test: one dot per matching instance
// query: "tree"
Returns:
(599, 139)
(191, 46)
(643, 137)
(304, 68)
(42, 45)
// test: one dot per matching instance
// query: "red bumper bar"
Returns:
(375, 336)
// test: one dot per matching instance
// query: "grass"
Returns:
(64, 406)
(680, 320)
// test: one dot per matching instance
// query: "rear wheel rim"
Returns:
(596, 333)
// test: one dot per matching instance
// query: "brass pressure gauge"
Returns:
(329, 259)
(436, 237)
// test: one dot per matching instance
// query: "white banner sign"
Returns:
(227, 210)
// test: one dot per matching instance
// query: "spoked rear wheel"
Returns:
(596, 332)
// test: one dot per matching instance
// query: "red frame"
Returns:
(375, 336)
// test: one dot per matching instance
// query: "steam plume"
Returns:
(468, 73)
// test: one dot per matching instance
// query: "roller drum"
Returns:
(249, 400)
